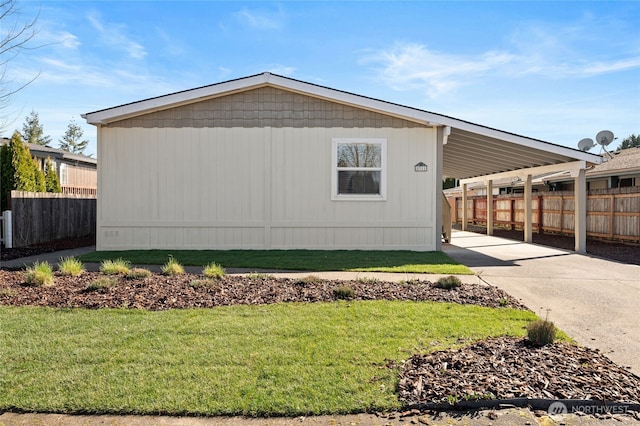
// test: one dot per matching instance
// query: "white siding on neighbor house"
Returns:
(226, 188)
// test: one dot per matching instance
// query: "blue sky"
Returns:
(556, 71)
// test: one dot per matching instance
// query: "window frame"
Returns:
(64, 174)
(335, 195)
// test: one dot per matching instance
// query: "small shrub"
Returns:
(138, 274)
(172, 267)
(115, 267)
(310, 279)
(71, 266)
(8, 292)
(409, 282)
(449, 282)
(259, 276)
(541, 332)
(344, 292)
(213, 270)
(367, 280)
(39, 274)
(202, 283)
(102, 283)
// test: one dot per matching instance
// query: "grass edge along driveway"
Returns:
(271, 360)
(434, 262)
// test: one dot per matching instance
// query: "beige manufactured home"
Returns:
(269, 162)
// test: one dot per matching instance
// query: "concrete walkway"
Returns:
(595, 301)
(54, 258)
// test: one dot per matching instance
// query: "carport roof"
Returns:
(471, 150)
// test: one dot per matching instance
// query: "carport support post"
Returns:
(580, 211)
(464, 206)
(528, 216)
(490, 207)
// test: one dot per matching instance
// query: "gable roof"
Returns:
(623, 161)
(471, 149)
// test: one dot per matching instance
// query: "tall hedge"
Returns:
(19, 170)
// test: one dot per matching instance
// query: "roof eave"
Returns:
(426, 118)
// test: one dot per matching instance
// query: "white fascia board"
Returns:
(266, 79)
(406, 113)
(163, 102)
(571, 167)
(428, 118)
(522, 140)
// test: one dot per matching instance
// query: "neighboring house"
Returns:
(269, 162)
(621, 170)
(77, 173)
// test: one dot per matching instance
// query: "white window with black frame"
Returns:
(359, 169)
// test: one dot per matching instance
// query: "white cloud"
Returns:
(281, 70)
(69, 41)
(172, 46)
(413, 66)
(115, 36)
(598, 68)
(261, 19)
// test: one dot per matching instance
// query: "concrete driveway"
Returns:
(595, 301)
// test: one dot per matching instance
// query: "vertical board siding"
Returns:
(39, 217)
(612, 214)
(258, 188)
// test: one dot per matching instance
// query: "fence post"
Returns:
(540, 214)
(7, 229)
(612, 201)
(512, 213)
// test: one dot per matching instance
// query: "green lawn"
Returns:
(435, 262)
(285, 359)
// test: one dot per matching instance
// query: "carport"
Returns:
(474, 153)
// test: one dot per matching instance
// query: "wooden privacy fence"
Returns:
(40, 217)
(612, 214)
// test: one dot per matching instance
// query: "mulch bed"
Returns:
(160, 292)
(509, 367)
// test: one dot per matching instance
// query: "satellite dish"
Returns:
(585, 144)
(604, 137)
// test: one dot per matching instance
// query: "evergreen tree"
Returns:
(52, 182)
(19, 170)
(632, 141)
(23, 166)
(33, 132)
(72, 140)
(40, 183)
(448, 183)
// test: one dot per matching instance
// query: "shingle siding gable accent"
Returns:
(265, 107)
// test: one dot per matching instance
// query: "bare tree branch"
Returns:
(15, 37)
